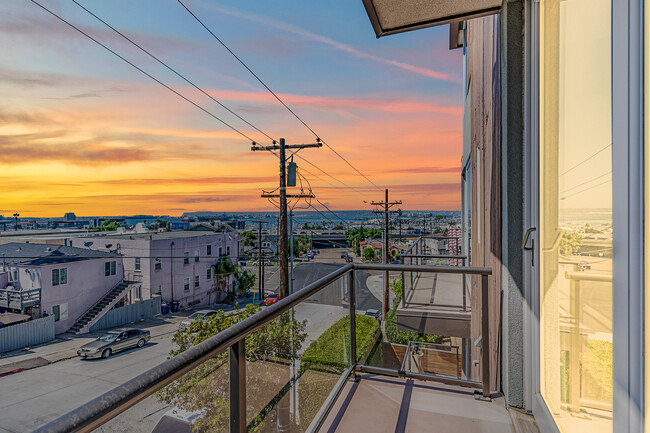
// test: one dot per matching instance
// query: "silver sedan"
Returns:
(114, 341)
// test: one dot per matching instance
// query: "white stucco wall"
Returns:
(173, 272)
(86, 285)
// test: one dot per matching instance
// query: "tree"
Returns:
(246, 279)
(437, 219)
(368, 254)
(205, 388)
(249, 238)
(300, 245)
(355, 236)
(16, 215)
(109, 226)
(570, 243)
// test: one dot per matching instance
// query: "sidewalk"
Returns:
(65, 346)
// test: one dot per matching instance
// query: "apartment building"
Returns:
(177, 265)
(43, 279)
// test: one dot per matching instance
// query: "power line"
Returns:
(328, 209)
(174, 71)
(584, 183)
(142, 71)
(272, 92)
(586, 189)
(585, 160)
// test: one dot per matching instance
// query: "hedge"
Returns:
(328, 349)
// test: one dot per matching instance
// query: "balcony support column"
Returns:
(238, 387)
(353, 320)
(485, 340)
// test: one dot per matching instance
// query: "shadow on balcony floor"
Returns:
(381, 404)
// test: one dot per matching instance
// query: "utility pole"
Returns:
(291, 250)
(260, 261)
(283, 238)
(386, 205)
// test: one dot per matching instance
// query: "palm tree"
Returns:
(16, 215)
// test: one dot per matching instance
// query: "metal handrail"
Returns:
(105, 407)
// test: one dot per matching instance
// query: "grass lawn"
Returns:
(333, 346)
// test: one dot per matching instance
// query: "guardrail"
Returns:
(414, 254)
(102, 409)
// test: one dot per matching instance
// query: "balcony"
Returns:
(19, 299)
(314, 361)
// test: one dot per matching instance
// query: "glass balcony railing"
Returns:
(276, 369)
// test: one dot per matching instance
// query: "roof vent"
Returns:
(48, 249)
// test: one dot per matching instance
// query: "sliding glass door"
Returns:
(575, 214)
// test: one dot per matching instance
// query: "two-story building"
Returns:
(58, 280)
(177, 265)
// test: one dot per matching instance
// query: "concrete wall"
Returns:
(86, 285)
(513, 200)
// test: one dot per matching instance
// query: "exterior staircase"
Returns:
(82, 326)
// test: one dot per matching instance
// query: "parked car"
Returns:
(198, 315)
(349, 259)
(344, 254)
(373, 313)
(396, 262)
(271, 299)
(114, 341)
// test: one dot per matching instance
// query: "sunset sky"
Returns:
(82, 131)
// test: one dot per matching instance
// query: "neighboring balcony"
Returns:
(317, 360)
(19, 299)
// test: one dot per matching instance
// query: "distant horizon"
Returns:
(216, 213)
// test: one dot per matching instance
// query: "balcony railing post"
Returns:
(238, 387)
(485, 333)
(353, 319)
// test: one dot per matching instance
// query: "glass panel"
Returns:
(196, 402)
(431, 346)
(576, 213)
(295, 362)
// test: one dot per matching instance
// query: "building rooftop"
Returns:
(45, 254)
(160, 235)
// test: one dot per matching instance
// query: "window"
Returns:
(186, 284)
(59, 276)
(196, 281)
(110, 268)
(137, 263)
(13, 275)
(132, 333)
(196, 255)
(186, 258)
(157, 290)
(157, 264)
(208, 251)
(220, 249)
(227, 251)
(208, 274)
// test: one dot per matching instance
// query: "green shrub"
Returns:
(332, 347)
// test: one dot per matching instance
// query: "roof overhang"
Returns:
(396, 16)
